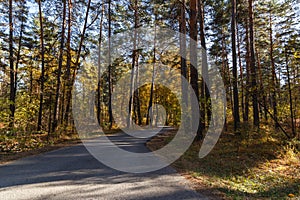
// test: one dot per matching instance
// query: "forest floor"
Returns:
(252, 165)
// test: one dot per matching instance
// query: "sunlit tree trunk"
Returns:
(77, 63)
(247, 87)
(241, 73)
(236, 113)
(60, 61)
(133, 65)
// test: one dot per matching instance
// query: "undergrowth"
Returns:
(255, 164)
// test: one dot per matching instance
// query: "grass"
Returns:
(253, 165)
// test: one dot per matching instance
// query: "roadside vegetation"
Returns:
(17, 144)
(257, 164)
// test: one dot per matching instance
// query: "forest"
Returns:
(254, 44)
(47, 45)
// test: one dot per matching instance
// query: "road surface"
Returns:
(72, 173)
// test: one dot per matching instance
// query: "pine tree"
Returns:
(193, 60)
(42, 77)
(253, 66)
(234, 67)
(60, 62)
(11, 67)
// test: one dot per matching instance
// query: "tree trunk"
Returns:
(77, 63)
(60, 61)
(68, 71)
(290, 94)
(150, 105)
(183, 68)
(274, 83)
(236, 113)
(99, 69)
(12, 96)
(19, 46)
(109, 67)
(50, 118)
(262, 89)
(224, 72)
(133, 64)
(137, 97)
(248, 74)
(205, 95)
(39, 126)
(253, 66)
(193, 59)
(241, 73)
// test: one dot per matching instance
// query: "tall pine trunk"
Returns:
(290, 93)
(274, 82)
(254, 89)
(65, 111)
(248, 73)
(109, 67)
(60, 61)
(262, 91)
(241, 73)
(236, 113)
(133, 66)
(205, 95)
(77, 63)
(183, 66)
(99, 69)
(137, 105)
(225, 73)
(42, 77)
(193, 70)
(150, 104)
(12, 96)
(19, 46)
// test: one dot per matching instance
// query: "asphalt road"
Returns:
(72, 173)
